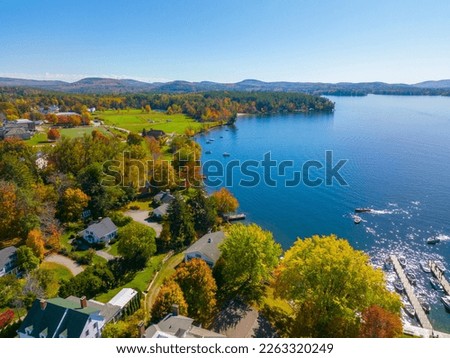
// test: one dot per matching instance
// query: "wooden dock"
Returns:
(420, 313)
(440, 276)
(234, 217)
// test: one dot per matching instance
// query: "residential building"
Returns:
(8, 261)
(163, 197)
(155, 133)
(161, 211)
(206, 248)
(176, 326)
(102, 231)
(19, 128)
(74, 317)
(62, 318)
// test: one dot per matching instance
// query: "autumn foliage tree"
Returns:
(72, 204)
(377, 322)
(225, 201)
(53, 134)
(334, 284)
(35, 241)
(199, 289)
(169, 294)
(249, 255)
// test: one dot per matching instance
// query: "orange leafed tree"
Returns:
(53, 241)
(72, 204)
(169, 294)
(35, 241)
(379, 323)
(53, 134)
(225, 201)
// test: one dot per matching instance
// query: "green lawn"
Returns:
(62, 272)
(38, 139)
(113, 249)
(134, 120)
(140, 281)
(142, 204)
(80, 131)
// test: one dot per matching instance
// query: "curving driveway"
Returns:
(142, 217)
(65, 261)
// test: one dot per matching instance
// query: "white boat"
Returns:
(425, 266)
(424, 304)
(399, 286)
(412, 278)
(436, 284)
(357, 219)
(226, 154)
(446, 301)
(387, 265)
(409, 309)
(440, 265)
(402, 261)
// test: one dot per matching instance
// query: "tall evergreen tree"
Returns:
(181, 225)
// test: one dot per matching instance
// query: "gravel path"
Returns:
(65, 261)
(105, 255)
(142, 217)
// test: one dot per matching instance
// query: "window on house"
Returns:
(87, 332)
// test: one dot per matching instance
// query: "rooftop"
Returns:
(123, 297)
(5, 255)
(208, 245)
(102, 228)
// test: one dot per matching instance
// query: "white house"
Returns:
(103, 231)
(8, 261)
(206, 248)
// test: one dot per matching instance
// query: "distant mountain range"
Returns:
(109, 85)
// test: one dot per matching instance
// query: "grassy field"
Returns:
(80, 131)
(140, 281)
(134, 120)
(62, 272)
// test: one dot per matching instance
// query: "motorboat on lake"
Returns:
(436, 284)
(446, 301)
(388, 265)
(409, 309)
(208, 152)
(226, 154)
(399, 286)
(402, 261)
(424, 304)
(433, 240)
(363, 210)
(412, 278)
(425, 266)
(440, 265)
(357, 219)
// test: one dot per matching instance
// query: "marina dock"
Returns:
(420, 313)
(440, 276)
(234, 217)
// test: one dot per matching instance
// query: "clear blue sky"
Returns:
(226, 41)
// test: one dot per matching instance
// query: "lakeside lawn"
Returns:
(135, 120)
(81, 131)
(140, 281)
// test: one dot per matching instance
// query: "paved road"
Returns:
(142, 217)
(105, 255)
(65, 261)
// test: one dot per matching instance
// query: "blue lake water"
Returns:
(398, 163)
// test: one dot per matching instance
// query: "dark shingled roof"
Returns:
(58, 316)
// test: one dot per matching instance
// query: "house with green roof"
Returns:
(74, 317)
(62, 318)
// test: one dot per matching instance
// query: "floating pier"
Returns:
(440, 276)
(420, 313)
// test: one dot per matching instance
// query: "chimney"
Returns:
(43, 304)
(175, 310)
(83, 302)
(141, 329)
